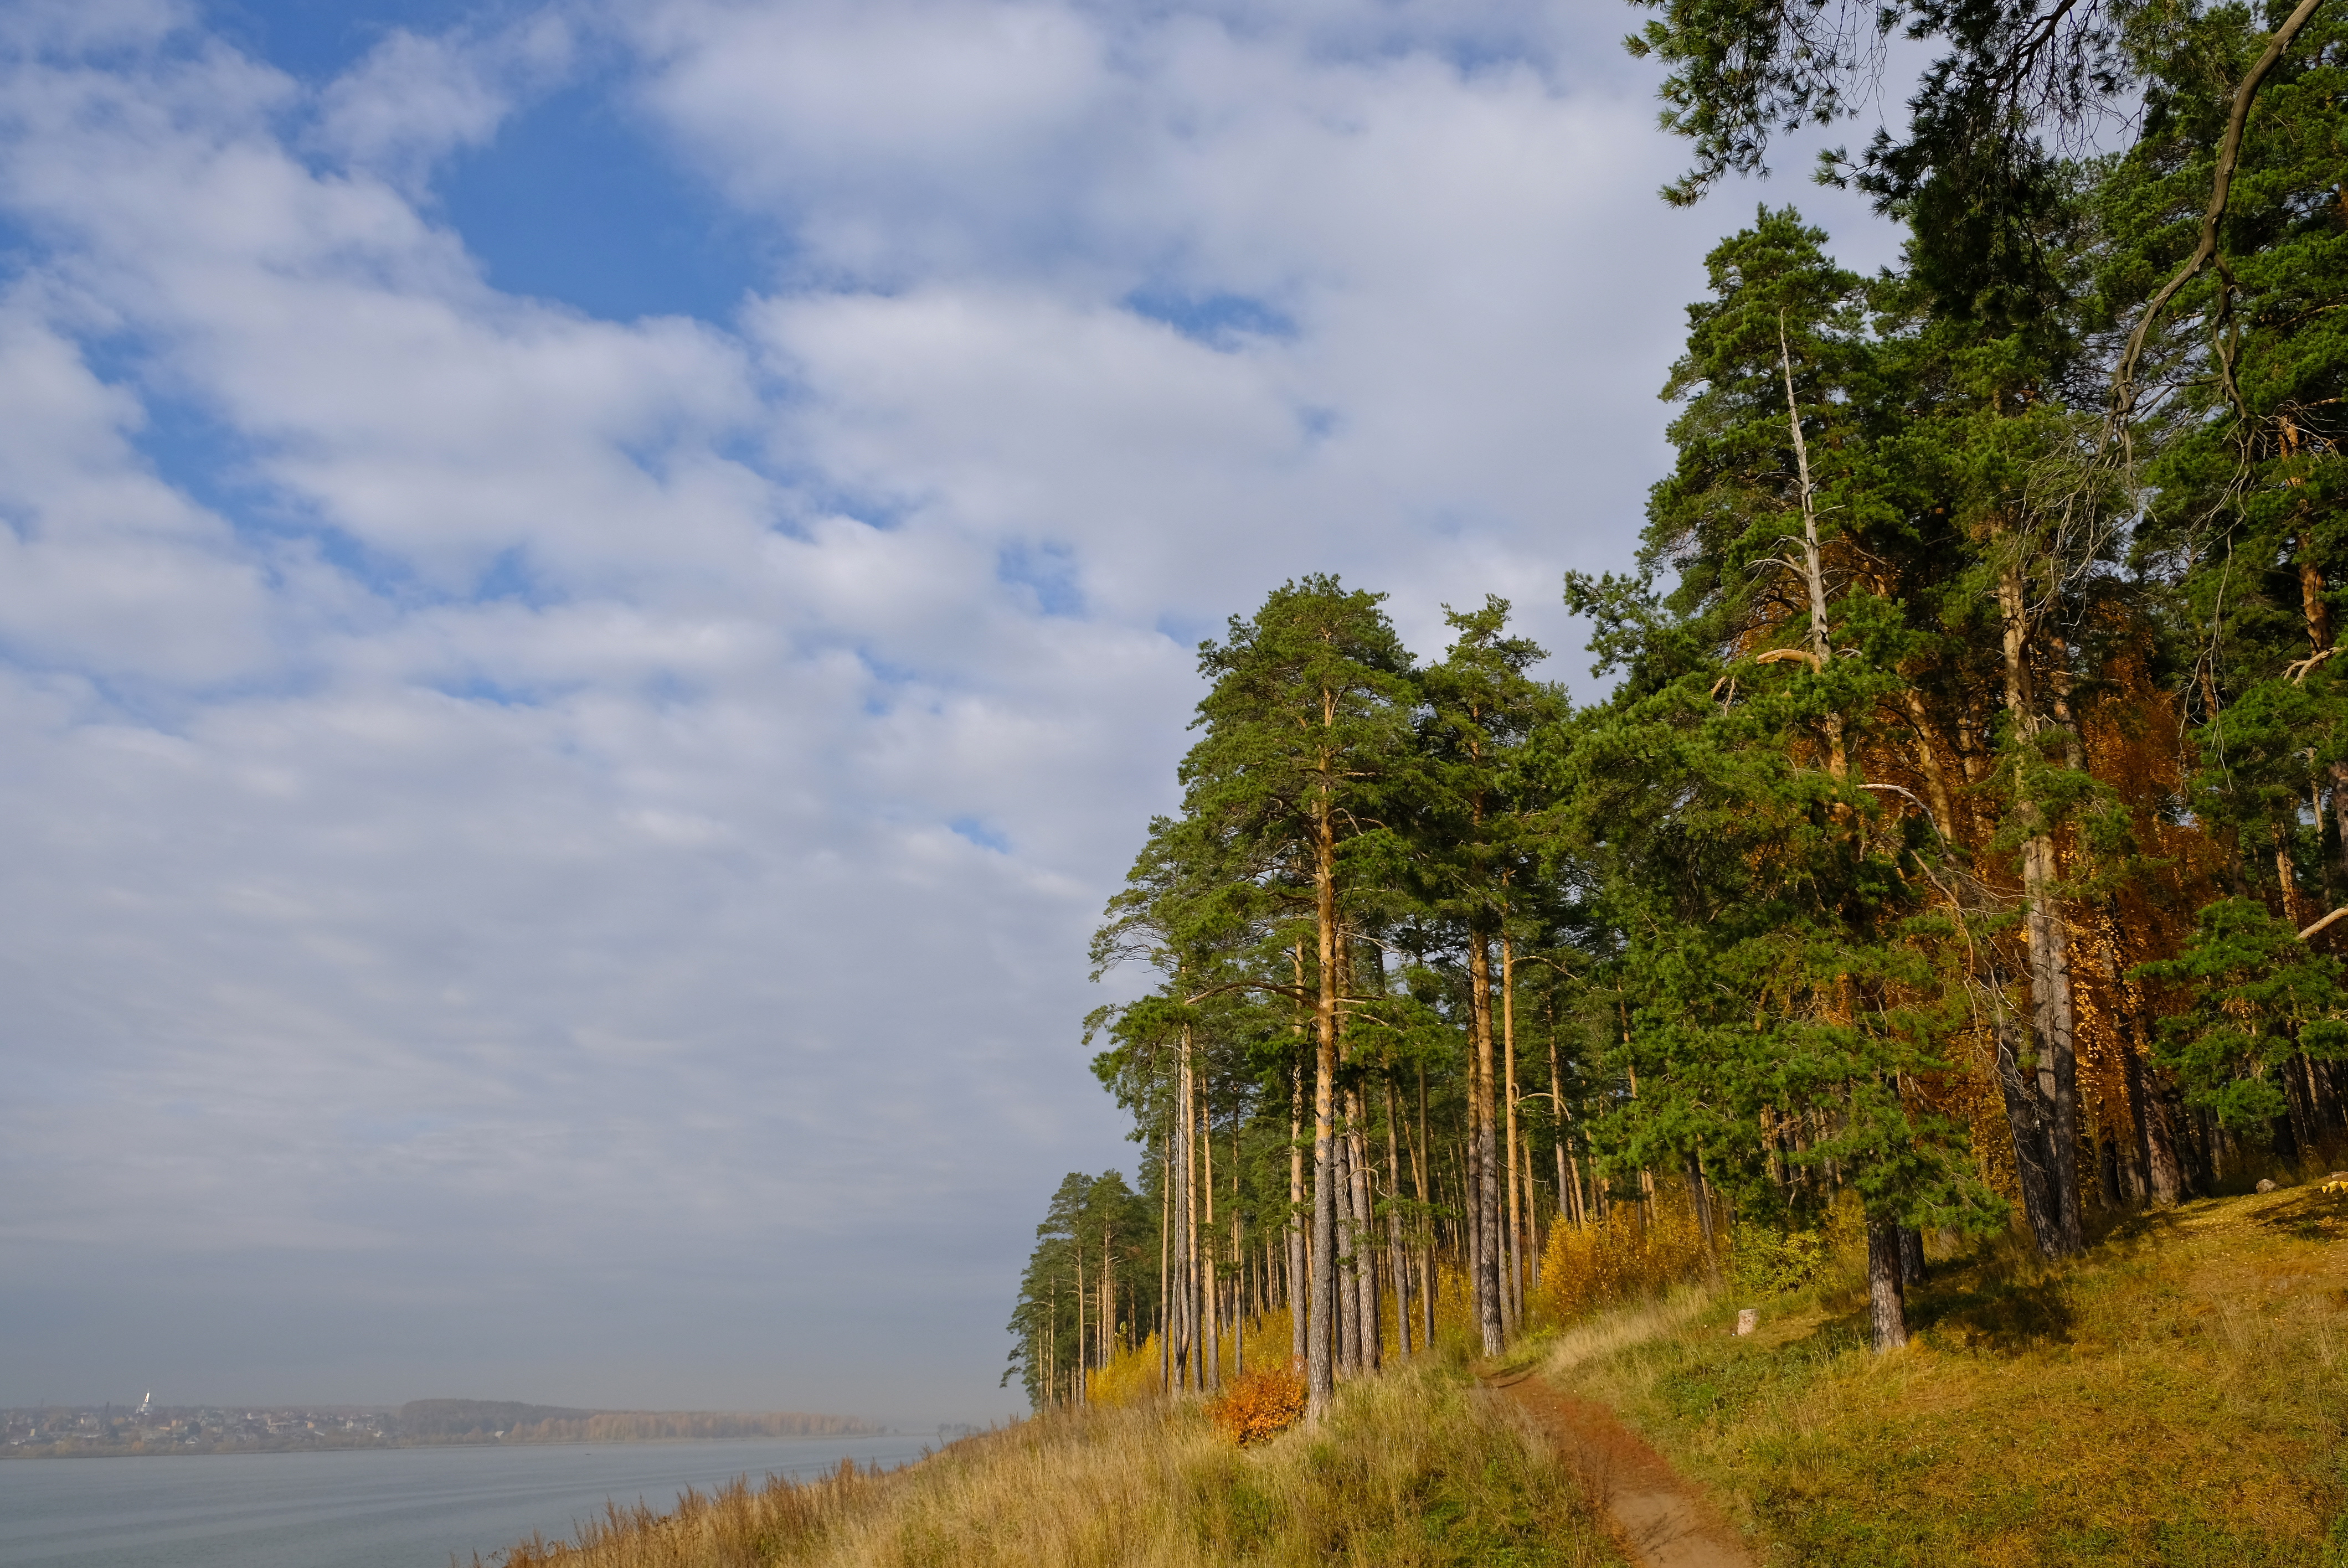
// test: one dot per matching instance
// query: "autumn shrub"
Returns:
(1262, 1404)
(1638, 1250)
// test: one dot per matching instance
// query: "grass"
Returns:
(2176, 1397)
(1416, 1469)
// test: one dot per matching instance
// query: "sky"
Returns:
(595, 597)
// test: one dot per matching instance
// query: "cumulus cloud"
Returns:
(510, 810)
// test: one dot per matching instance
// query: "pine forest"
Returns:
(1960, 845)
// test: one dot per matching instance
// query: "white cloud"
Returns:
(581, 802)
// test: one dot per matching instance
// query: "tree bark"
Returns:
(1400, 1266)
(2026, 1119)
(1419, 1156)
(1512, 1303)
(1365, 1267)
(1190, 1347)
(1912, 1257)
(1487, 1209)
(1164, 1245)
(2053, 1013)
(1321, 1366)
(1209, 1286)
(1294, 1229)
(1887, 1305)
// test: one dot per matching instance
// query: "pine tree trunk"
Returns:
(1294, 1229)
(1912, 1257)
(1349, 1265)
(1400, 1265)
(1164, 1245)
(1210, 1294)
(2026, 1119)
(1190, 1243)
(1321, 1366)
(1365, 1269)
(1513, 1303)
(1487, 1206)
(1886, 1307)
(2053, 1011)
(1419, 1155)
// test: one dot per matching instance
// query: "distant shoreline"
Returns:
(50, 1432)
(69, 1450)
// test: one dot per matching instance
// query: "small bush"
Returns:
(1264, 1404)
(1630, 1253)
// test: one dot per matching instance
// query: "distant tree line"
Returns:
(1963, 835)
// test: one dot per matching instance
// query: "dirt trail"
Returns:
(1661, 1518)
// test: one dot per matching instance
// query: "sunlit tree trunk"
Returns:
(1512, 1301)
(1365, 1251)
(1485, 1210)
(1211, 1293)
(1321, 1370)
(1396, 1252)
(2053, 1010)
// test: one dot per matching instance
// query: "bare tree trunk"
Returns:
(1512, 1303)
(1294, 1229)
(1192, 1375)
(1400, 1265)
(1701, 1203)
(1486, 1207)
(2026, 1119)
(1565, 1206)
(1886, 1307)
(1928, 762)
(2053, 1012)
(1210, 1286)
(1349, 1266)
(1419, 1155)
(1365, 1269)
(1165, 1246)
(1320, 1362)
(1239, 1264)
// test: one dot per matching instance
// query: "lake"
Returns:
(368, 1508)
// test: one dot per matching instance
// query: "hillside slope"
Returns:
(2176, 1397)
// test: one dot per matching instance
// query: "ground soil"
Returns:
(1661, 1518)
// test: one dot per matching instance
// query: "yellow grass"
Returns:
(1414, 1467)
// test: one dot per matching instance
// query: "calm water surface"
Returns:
(367, 1508)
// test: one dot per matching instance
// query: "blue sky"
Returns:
(596, 595)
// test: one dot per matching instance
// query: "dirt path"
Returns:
(1660, 1516)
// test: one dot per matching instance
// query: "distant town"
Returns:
(68, 1431)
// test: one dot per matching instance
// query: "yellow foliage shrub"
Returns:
(1262, 1404)
(1631, 1253)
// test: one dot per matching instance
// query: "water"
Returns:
(367, 1508)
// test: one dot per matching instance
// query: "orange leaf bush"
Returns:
(1262, 1404)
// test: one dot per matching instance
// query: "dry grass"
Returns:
(1415, 1467)
(2174, 1398)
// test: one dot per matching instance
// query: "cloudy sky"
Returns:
(594, 596)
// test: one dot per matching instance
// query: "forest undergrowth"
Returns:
(1414, 1469)
(2172, 1396)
